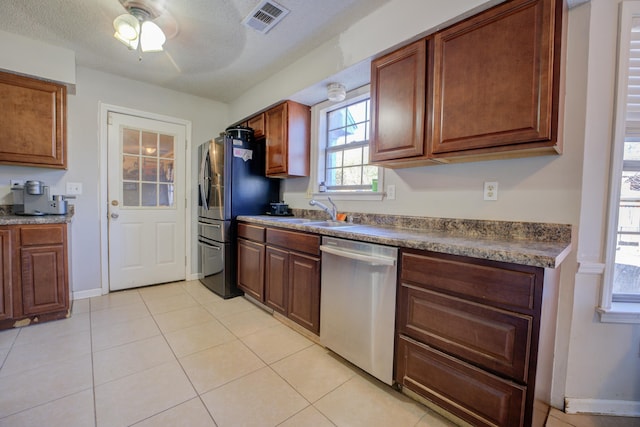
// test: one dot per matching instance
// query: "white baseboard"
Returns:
(623, 408)
(193, 276)
(90, 293)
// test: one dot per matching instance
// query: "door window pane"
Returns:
(147, 161)
(130, 194)
(149, 194)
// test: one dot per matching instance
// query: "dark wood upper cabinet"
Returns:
(485, 88)
(32, 123)
(257, 124)
(398, 104)
(287, 132)
(495, 79)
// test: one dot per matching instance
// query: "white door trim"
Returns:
(102, 185)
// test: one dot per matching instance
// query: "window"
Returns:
(622, 267)
(343, 142)
(347, 148)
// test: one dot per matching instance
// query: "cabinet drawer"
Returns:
(41, 234)
(251, 232)
(493, 283)
(492, 338)
(466, 391)
(292, 240)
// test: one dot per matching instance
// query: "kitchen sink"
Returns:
(294, 220)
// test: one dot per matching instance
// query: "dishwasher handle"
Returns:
(374, 259)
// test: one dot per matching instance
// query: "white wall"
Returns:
(604, 358)
(207, 117)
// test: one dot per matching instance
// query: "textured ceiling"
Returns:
(208, 53)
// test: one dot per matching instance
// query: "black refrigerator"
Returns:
(231, 182)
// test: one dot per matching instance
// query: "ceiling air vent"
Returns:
(265, 16)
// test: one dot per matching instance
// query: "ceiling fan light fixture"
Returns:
(151, 37)
(127, 30)
(136, 28)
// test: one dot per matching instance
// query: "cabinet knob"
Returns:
(114, 215)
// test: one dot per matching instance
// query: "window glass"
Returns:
(346, 163)
(147, 169)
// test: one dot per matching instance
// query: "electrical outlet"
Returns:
(391, 192)
(491, 190)
(74, 188)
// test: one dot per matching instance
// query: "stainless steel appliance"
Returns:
(231, 182)
(357, 308)
(32, 198)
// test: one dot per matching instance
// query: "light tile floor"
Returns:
(178, 355)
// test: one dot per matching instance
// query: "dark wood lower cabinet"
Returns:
(281, 268)
(469, 336)
(304, 291)
(6, 274)
(34, 273)
(277, 279)
(251, 268)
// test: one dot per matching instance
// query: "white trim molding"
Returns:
(89, 293)
(621, 408)
(587, 267)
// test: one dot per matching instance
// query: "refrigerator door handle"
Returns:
(202, 179)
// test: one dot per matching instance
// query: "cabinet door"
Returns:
(6, 274)
(276, 132)
(44, 278)
(277, 279)
(496, 78)
(251, 268)
(257, 124)
(466, 391)
(32, 123)
(398, 103)
(304, 291)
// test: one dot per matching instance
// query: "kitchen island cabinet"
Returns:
(468, 335)
(488, 87)
(288, 139)
(35, 273)
(33, 122)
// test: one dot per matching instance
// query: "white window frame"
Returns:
(319, 124)
(610, 311)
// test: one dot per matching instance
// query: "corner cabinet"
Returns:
(287, 136)
(32, 123)
(472, 336)
(35, 274)
(488, 87)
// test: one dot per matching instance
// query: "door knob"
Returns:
(114, 215)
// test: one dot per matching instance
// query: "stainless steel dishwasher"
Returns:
(357, 303)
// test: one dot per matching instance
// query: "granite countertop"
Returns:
(8, 218)
(536, 244)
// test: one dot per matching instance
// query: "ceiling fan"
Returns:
(145, 26)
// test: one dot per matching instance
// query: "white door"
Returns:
(146, 193)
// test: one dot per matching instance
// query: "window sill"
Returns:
(620, 312)
(355, 195)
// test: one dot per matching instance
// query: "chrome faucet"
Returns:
(333, 211)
